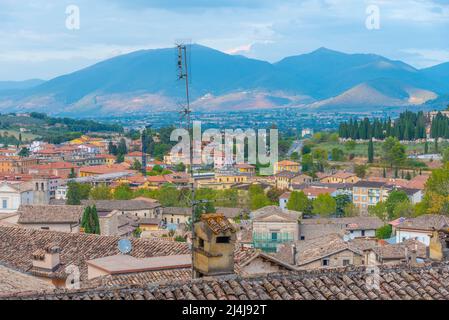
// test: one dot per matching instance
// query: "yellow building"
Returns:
(369, 193)
(245, 168)
(286, 165)
(341, 177)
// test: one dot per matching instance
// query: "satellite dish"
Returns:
(125, 246)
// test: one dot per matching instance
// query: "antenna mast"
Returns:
(183, 74)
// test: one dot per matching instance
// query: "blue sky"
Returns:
(35, 43)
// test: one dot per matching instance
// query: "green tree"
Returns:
(24, 152)
(370, 151)
(306, 149)
(342, 201)
(123, 192)
(307, 163)
(294, 156)
(337, 154)
(324, 205)
(360, 171)
(77, 192)
(446, 155)
(298, 201)
(350, 210)
(122, 148)
(100, 192)
(180, 167)
(90, 222)
(137, 165)
(120, 158)
(393, 200)
(259, 201)
(379, 210)
(426, 147)
(393, 152)
(384, 232)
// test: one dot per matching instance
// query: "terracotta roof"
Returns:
(49, 214)
(121, 205)
(12, 281)
(427, 222)
(218, 223)
(395, 283)
(177, 211)
(315, 192)
(17, 246)
(350, 223)
(275, 214)
(287, 163)
(399, 251)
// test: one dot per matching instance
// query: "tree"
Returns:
(136, 165)
(294, 156)
(394, 199)
(370, 151)
(72, 174)
(337, 154)
(123, 192)
(350, 145)
(259, 201)
(122, 148)
(324, 205)
(350, 210)
(180, 167)
(393, 152)
(101, 192)
(446, 155)
(307, 163)
(384, 232)
(360, 171)
(403, 209)
(112, 149)
(273, 194)
(426, 147)
(120, 158)
(24, 152)
(298, 201)
(342, 200)
(306, 149)
(90, 222)
(77, 192)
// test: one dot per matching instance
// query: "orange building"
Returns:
(286, 165)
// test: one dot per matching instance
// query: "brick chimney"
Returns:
(47, 259)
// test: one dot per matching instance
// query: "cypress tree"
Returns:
(371, 151)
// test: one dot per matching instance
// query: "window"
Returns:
(201, 243)
(346, 262)
(223, 239)
(177, 220)
(274, 236)
(4, 203)
(303, 238)
(325, 262)
(363, 233)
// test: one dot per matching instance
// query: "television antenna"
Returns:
(185, 111)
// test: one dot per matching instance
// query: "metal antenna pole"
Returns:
(184, 75)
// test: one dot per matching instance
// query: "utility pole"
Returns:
(183, 74)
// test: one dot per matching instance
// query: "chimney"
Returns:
(213, 246)
(294, 252)
(47, 259)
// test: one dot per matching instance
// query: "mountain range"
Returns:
(143, 81)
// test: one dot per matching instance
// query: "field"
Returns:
(26, 136)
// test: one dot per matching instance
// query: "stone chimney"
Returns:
(213, 246)
(47, 259)
(294, 252)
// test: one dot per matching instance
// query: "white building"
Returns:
(420, 228)
(14, 194)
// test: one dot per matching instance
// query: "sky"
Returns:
(40, 38)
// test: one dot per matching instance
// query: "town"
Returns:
(110, 208)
